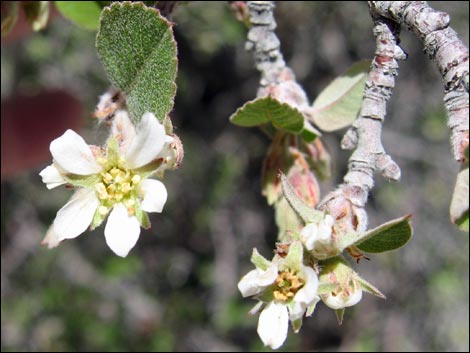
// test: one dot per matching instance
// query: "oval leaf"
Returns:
(388, 236)
(459, 203)
(267, 109)
(138, 52)
(85, 14)
(338, 104)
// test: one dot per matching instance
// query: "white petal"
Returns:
(255, 281)
(155, 195)
(273, 324)
(147, 143)
(52, 176)
(308, 235)
(77, 214)
(123, 130)
(308, 292)
(72, 154)
(325, 228)
(51, 239)
(122, 231)
(341, 301)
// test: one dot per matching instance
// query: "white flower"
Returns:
(110, 180)
(319, 238)
(336, 272)
(314, 233)
(289, 288)
(344, 298)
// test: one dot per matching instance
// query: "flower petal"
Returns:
(255, 281)
(77, 214)
(308, 235)
(155, 195)
(308, 292)
(51, 239)
(342, 300)
(147, 143)
(72, 154)
(123, 130)
(52, 176)
(273, 324)
(122, 231)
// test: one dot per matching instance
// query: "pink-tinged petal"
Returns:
(155, 195)
(72, 154)
(51, 239)
(255, 281)
(342, 300)
(123, 130)
(77, 214)
(122, 231)
(147, 143)
(52, 176)
(273, 324)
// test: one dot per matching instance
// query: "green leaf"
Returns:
(287, 221)
(85, 14)
(459, 204)
(309, 133)
(338, 104)
(306, 213)
(9, 16)
(138, 52)
(388, 236)
(267, 109)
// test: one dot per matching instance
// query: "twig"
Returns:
(450, 54)
(347, 202)
(277, 79)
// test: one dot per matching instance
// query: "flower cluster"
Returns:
(111, 180)
(302, 272)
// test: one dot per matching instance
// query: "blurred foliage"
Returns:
(177, 290)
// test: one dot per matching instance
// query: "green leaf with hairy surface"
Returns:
(338, 104)
(287, 221)
(85, 14)
(267, 109)
(388, 236)
(138, 52)
(459, 204)
(307, 214)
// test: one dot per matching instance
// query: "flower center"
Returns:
(117, 184)
(287, 285)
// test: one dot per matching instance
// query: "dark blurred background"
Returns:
(176, 291)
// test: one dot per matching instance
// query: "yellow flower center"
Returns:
(117, 185)
(288, 283)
